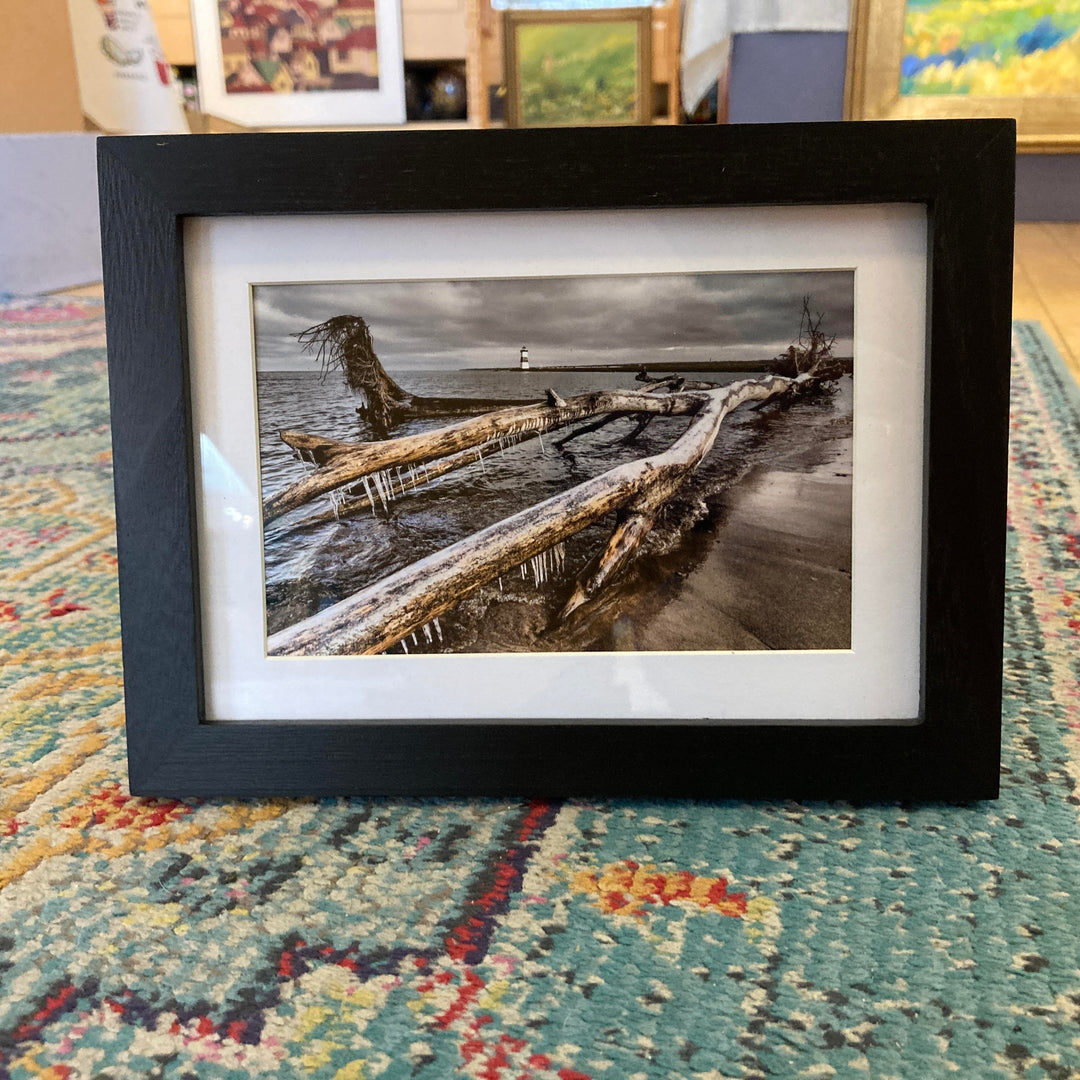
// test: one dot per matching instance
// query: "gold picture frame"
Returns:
(542, 91)
(1045, 123)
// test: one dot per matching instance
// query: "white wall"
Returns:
(49, 234)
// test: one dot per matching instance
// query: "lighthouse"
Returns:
(524, 357)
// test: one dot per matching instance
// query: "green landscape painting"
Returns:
(578, 73)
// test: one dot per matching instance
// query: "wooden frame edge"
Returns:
(871, 88)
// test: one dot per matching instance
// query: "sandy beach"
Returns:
(777, 574)
(769, 569)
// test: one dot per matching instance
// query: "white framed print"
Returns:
(300, 63)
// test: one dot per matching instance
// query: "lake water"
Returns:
(309, 567)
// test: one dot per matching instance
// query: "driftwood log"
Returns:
(345, 342)
(377, 617)
(366, 495)
(342, 464)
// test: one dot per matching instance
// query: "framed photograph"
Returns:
(575, 68)
(915, 59)
(444, 473)
(307, 63)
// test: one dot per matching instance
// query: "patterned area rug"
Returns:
(634, 940)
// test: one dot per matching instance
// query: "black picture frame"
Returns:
(961, 171)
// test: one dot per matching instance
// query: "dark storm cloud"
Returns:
(585, 320)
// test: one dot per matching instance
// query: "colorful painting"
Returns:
(290, 46)
(991, 48)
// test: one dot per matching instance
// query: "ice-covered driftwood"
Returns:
(379, 489)
(384, 613)
(342, 464)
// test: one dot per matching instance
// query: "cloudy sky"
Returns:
(582, 320)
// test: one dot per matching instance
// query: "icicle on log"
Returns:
(343, 463)
(384, 613)
(418, 477)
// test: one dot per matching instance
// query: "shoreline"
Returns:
(777, 574)
(770, 569)
(662, 367)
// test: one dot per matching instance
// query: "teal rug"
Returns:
(627, 940)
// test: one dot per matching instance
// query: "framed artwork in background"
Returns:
(912, 59)
(300, 64)
(574, 68)
(680, 475)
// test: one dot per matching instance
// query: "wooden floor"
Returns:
(1046, 283)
